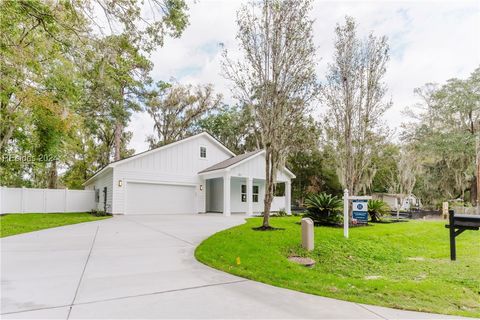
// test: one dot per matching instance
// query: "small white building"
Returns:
(399, 201)
(194, 175)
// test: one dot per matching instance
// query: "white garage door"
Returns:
(148, 198)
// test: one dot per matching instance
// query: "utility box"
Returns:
(307, 234)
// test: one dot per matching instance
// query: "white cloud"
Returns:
(430, 42)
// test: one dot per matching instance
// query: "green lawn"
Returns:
(27, 222)
(400, 265)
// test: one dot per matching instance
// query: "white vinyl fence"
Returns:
(28, 200)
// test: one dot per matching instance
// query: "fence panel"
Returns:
(78, 200)
(30, 200)
(11, 200)
(55, 201)
(33, 200)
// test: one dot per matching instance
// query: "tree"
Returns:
(275, 77)
(117, 80)
(45, 49)
(176, 108)
(442, 138)
(145, 30)
(233, 126)
(354, 94)
(386, 167)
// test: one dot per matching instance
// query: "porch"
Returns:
(242, 195)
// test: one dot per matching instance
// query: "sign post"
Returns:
(345, 213)
(360, 210)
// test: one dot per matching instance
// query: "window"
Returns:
(97, 195)
(203, 152)
(254, 195)
(279, 189)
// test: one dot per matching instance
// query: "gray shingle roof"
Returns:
(230, 162)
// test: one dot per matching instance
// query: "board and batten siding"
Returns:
(176, 164)
(255, 168)
(105, 179)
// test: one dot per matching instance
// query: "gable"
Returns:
(206, 136)
(182, 157)
(255, 167)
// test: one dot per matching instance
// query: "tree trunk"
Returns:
(52, 176)
(119, 128)
(473, 191)
(117, 140)
(267, 202)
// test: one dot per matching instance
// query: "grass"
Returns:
(399, 265)
(12, 224)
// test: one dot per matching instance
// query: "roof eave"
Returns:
(94, 177)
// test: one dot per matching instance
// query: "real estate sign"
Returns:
(360, 210)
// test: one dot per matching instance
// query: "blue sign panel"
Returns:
(360, 210)
(360, 216)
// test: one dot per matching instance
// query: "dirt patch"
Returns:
(307, 262)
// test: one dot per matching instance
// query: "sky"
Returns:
(430, 42)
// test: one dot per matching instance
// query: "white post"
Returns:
(345, 213)
(65, 199)
(226, 195)
(1, 199)
(250, 196)
(288, 197)
(22, 204)
(307, 234)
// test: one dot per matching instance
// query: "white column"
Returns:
(249, 196)
(226, 194)
(288, 197)
(345, 213)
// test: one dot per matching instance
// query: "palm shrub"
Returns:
(324, 209)
(377, 208)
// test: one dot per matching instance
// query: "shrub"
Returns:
(279, 213)
(324, 209)
(376, 209)
(98, 213)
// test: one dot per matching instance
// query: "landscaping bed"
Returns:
(399, 265)
(12, 224)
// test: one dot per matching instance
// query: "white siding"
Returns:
(255, 168)
(105, 179)
(236, 196)
(179, 163)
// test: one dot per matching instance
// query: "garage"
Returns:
(150, 198)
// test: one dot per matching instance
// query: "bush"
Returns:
(324, 209)
(376, 209)
(279, 213)
(98, 213)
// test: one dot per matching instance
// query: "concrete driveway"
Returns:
(143, 267)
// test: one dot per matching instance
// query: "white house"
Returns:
(195, 175)
(399, 201)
